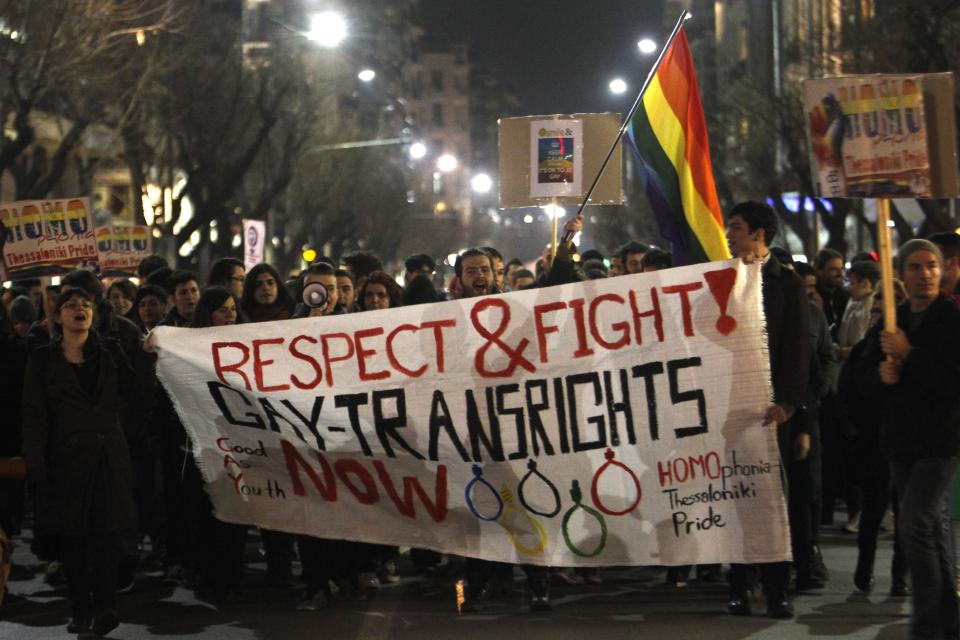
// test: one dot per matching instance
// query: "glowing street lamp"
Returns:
(367, 75)
(418, 150)
(481, 183)
(446, 163)
(647, 46)
(618, 86)
(328, 29)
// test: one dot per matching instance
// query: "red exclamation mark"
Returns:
(720, 284)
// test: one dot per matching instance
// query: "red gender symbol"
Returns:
(595, 494)
(720, 284)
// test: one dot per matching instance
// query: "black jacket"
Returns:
(920, 415)
(73, 441)
(785, 307)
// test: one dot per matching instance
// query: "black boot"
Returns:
(538, 581)
(819, 568)
(863, 576)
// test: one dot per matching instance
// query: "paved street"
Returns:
(630, 603)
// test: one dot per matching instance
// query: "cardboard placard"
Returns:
(122, 247)
(882, 135)
(45, 237)
(547, 158)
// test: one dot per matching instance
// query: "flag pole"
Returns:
(626, 121)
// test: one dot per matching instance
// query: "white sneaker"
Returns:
(853, 525)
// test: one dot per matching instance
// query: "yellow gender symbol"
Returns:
(509, 522)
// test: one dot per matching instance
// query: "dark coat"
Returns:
(920, 415)
(786, 309)
(73, 442)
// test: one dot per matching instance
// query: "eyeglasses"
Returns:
(73, 306)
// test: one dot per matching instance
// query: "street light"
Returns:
(618, 86)
(481, 183)
(367, 75)
(418, 150)
(554, 211)
(446, 163)
(328, 29)
(647, 46)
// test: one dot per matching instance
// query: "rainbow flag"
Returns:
(669, 135)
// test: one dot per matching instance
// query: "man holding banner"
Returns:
(751, 227)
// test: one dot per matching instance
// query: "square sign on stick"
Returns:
(882, 136)
(546, 159)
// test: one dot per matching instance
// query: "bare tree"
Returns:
(78, 62)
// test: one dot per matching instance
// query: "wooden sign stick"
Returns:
(886, 265)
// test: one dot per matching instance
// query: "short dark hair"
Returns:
(783, 256)
(757, 215)
(343, 273)
(868, 270)
(319, 269)
(381, 278)
(362, 263)
(160, 277)
(222, 270)
(523, 273)
(824, 256)
(150, 290)
(180, 277)
(417, 261)
(420, 291)
(67, 294)
(656, 258)
(804, 269)
(631, 247)
(126, 288)
(591, 254)
(948, 241)
(86, 280)
(470, 253)
(150, 264)
(494, 254)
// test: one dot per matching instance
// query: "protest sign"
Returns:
(543, 159)
(608, 422)
(121, 248)
(882, 135)
(254, 237)
(556, 158)
(43, 237)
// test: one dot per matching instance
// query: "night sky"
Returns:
(557, 56)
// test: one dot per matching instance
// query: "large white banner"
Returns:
(609, 422)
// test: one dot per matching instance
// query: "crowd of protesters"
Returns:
(866, 419)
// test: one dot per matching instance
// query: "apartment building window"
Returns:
(437, 114)
(436, 80)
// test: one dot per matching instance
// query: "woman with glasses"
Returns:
(77, 454)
